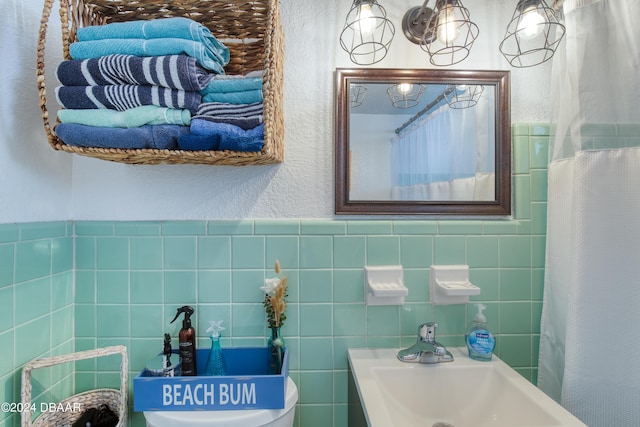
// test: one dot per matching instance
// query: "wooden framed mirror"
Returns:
(414, 141)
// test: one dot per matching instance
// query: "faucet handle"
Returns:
(427, 332)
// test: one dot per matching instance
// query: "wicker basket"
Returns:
(252, 31)
(115, 399)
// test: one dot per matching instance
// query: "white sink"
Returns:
(462, 393)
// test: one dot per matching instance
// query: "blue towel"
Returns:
(179, 27)
(171, 71)
(193, 142)
(125, 97)
(206, 135)
(225, 85)
(209, 57)
(244, 123)
(245, 97)
(139, 116)
(161, 137)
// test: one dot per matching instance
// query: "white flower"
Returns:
(215, 327)
(270, 285)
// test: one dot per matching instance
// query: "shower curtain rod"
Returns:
(425, 110)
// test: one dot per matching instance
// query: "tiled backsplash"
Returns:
(131, 276)
(36, 309)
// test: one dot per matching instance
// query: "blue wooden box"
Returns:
(247, 385)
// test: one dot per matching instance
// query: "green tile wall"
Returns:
(131, 276)
(36, 309)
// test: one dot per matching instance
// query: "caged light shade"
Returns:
(367, 32)
(463, 96)
(450, 33)
(446, 32)
(405, 95)
(533, 34)
(356, 95)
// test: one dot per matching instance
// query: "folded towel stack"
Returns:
(220, 126)
(230, 116)
(140, 84)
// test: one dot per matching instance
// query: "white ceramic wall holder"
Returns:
(449, 284)
(384, 285)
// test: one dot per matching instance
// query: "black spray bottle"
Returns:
(187, 342)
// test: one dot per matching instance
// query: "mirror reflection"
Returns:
(423, 142)
(419, 141)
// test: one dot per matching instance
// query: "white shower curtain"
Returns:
(446, 155)
(590, 332)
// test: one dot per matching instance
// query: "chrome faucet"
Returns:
(426, 349)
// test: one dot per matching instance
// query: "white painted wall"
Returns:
(35, 181)
(38, 184)
(370, 155)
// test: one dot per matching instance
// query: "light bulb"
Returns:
(367, 21)
(447, 28)
(404, 88)
(461, 88)
(531, 24)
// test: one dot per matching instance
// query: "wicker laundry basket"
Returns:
(252, 31)
(115, 399)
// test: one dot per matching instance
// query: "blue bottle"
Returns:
(216, 364)
(480, 342)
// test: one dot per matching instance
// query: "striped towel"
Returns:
(124, 97)
(245, 116)
(171, 71)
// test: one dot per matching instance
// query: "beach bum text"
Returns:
(209, 394)
(19, 407)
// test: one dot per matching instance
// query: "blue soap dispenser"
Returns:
(480, 342)
(216, 364)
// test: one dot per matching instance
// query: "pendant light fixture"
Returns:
(463, 96)
(367, 32)
(533, 34)
(446, 32)
(405, 95)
